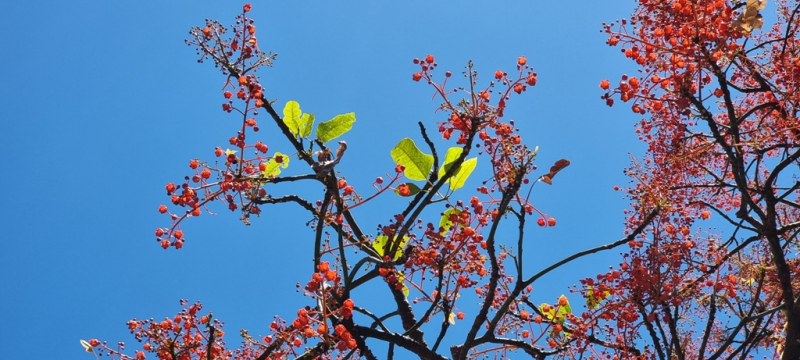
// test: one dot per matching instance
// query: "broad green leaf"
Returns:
(273, 167)
(380, 244)
(452, 154)
(445, 223)
(413, 189)
(305, 124)
(333, 128)
(291, 116)
(417, 163)
(463, 172)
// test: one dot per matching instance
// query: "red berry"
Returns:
(541, 222)
(162, 209)
(551, 221)
(531, 79)
(404, 190)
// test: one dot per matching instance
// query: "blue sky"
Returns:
(103, 104)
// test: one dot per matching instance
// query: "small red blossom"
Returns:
(498, 74)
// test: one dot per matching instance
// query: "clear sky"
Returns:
(103, 104)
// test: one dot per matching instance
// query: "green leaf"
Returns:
(413, 189)
(452, 154)
(380, 244)
(417, 163)
(305, 124)
(445, 223)
(86, 346)
(462, 173)
(291, 116)
(333, 128)
(550, 313)
(273, 167)
(563, 311)
(593, 302)
(401, 279)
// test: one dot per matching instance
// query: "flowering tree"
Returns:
(719, 97)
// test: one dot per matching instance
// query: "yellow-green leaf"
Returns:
(593, 302)
(333, 128)
(462, 173)
(445, 223)
(417, 164)
(380, 244)
(305, 124)
(273, 167)
(291, 116)
(401, 279)
(452, 154)
(86, 346)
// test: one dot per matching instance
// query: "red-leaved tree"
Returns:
(719, 101)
